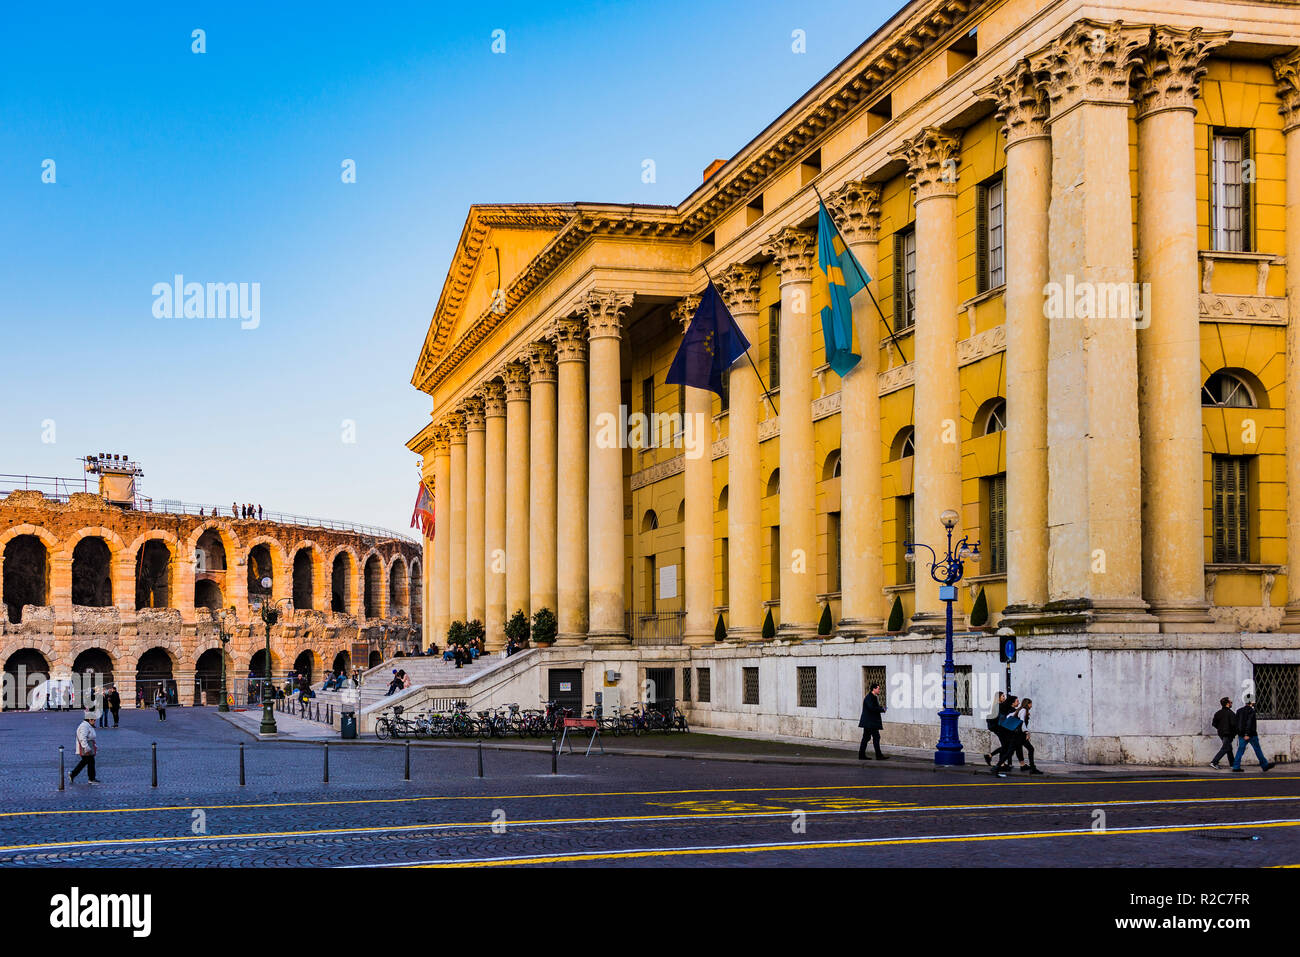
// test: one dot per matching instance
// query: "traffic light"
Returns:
(1007, 649)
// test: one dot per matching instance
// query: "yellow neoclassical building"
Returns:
(1082, 227)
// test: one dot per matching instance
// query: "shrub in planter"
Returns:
(979, 613)
(824, 624)
(517, 628)
(720, 629)
(474, 631)
(456, 633)
(544, 626)
(769, 629)
(895, 623)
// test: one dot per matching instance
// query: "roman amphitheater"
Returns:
(139, 595)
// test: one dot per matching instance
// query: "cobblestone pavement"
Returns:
(617, 809)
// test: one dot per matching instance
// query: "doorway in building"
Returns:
(564, 687)
(661, 689)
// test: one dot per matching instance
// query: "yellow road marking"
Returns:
(1000, 783)
(836, 845)
(744, 811)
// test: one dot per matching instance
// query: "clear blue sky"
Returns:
(225, 167)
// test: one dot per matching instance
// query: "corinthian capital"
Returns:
(605, 311)
(571, 339)
(684, 309)
(855, 207)
(472, 409)
(494, 399)
(1170, 69)
(516, 378)
(456, 428)
(1021, 102)
(795, 252)
(738, 286)
(1091, 60)
(541, 362)
(441, 441)
(931, 157)
(1287, 70)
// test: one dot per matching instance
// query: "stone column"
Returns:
(605, 557)
(1169, 337)
(795, 254)
(855, 208)
(456, 561)
(494, 518)
(541, 507)
(1022, 111)
(1287, 70)
(571, 507)
(441, 596)
(739, 288)
(518, 473)
(475, 464)
(1094, 455)
(428, 562)
(932, 157)
(697, 570)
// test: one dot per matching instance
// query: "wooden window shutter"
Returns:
(1220, 525)
(900, 282)
(981, 238)
(1248, 192)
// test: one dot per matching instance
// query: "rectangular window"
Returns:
(807, 687)
(751, 685)
(833, 552)
(904, 279)
(904, 520)
(725, 399)
(995, 498)
(874, 675)
(1231, 497)
(774, 346)
(774, 560)
(726, 568)
(990, 240)
(1277, 691)
(704, 682)
(648, 407)
(963, 675)
(1230, 192)
(686, 684)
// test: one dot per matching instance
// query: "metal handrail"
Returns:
(41, 483)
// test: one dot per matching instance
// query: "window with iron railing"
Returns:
(807, 680)
(1277, 691)
(704, 684)
(750, 679)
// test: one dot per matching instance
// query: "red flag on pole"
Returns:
(423, 514)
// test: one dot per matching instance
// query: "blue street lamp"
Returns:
(947, 571)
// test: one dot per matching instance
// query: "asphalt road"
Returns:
(615, 810)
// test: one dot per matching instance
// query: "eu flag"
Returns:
(842, 276)
(712, 343)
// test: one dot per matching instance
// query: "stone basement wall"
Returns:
(1098, 699)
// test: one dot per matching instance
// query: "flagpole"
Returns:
(888, 328)
(747, 355)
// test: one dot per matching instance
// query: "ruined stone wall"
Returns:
(60, 629)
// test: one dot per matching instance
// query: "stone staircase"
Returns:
(425, 672)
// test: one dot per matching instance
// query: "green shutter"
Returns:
(900, 281)
(981, 238)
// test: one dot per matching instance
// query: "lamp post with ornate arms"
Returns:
(225, 640)
(947, 571)
(270, 615)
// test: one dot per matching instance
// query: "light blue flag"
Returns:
(842, 276)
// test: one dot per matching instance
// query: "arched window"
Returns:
(650, 521)
(831, 467)
(995, 417)
(1228, 390)
(774, 483)
(904, 444)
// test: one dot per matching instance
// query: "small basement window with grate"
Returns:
(686, 684)
(807, 687)
(874, 675)
(963, 676)
(704, 678)
(751, 685)
(1277, 692)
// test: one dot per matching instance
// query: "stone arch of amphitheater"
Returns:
(140, 598)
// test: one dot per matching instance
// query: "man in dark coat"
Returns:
(871, 723)
(114, 703)
(1225, 725)
(1248, 736)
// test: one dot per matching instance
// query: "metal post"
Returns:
(480, 759)
(554, 755)
(1008, 679)
(62, 773)
(241, 764)
(407, 775)
(155, 765)
(327, 762)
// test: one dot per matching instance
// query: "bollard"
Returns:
(317, 710)
(554, 754)
(408, 761)
(155, 765)
(241, 764)
(327, 762)
(480, 759)
(62, 773)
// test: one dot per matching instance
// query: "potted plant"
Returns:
(456, 633)
(896, 619)
(517, 629)
(474, 631)
(769, 629)
(720, 629)
(544, 626)
(979, 613)
(824, 624)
